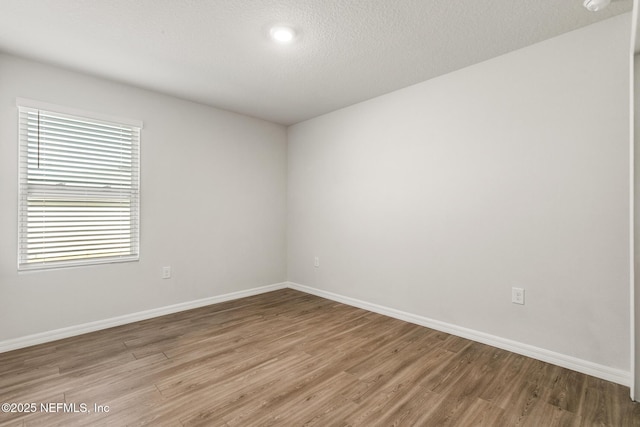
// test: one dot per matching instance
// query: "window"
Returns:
(78, 188)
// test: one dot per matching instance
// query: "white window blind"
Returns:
(78, 189)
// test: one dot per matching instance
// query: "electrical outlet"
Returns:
(166, 272)
(316, 262)
(517, 296)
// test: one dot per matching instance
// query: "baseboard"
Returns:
(600, 371)
(40, 338)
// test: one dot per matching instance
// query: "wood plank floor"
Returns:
(290, 359)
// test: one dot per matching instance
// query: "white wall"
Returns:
(438, 198)
(433, 200)
(213, 205)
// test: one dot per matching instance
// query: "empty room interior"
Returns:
(337, 212)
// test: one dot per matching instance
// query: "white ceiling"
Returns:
(217, 52)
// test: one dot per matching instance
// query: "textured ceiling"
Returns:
(217, 52)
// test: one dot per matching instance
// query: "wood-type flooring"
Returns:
(286, 358)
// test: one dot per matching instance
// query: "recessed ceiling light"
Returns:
(282, 35)
(596, 5)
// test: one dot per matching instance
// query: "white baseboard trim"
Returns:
(57, 334)
(600, 371)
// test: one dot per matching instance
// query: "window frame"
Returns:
(73, 193)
